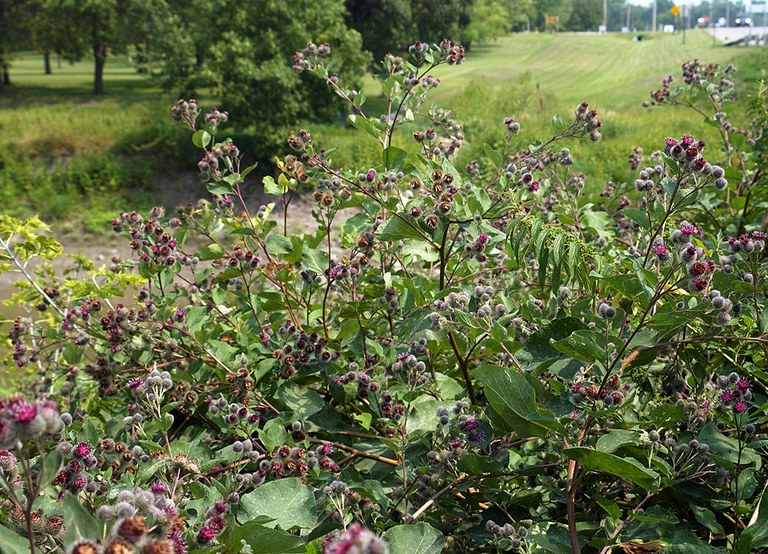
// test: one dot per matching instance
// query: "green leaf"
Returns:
(303, 402)
(724, 450)
(638, 216)
(512, 397)
(610, 507)
(624, 468)
(288, 502)
(707, 519)
(614, 440)
(273, 188)
(201, 138)
(264, 540)
(273, 434)
(79, 522)
(394, 158)
(397, 228)
(12, 543)
(362, 123)
(420, 538)
(279, 245)
(581, 345)
(474, 464)
(699, 548)
(315, 260)
(51, 465)
(493, 154)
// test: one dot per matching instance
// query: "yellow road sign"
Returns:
(675, 10)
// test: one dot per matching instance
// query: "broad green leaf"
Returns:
(51, 465)
(512, 398)
(201, 138)
(316, 260)
(273, 434)
(78, 521)
(279, 245)
(273, 188)
(12, 543)
(638, 216)
(610, 507)
(360, 122)
(624, 468)
(615, 439)
(725, 450)
(581, 345)
(394, 158)
(288, 502)
(264, 540)
(699, 548)
(420, 538)
(707, 519)
(397, 228)
(302, 401)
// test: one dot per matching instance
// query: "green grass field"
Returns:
(537, 76)
(54, 118)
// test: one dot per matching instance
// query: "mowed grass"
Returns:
(537, 76)
(57, 115)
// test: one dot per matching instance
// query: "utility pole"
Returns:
(605, 15)
(682, 19)
(653, 18)
(629, 7)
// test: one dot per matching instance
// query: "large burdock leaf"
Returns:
(626, 468)
(264, 540)
(513, 400)
(419, 538)
(79, 522)
(288, 502)
(12, 543)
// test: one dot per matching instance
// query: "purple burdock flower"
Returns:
(23, 412)
(740, 407)
(356, 540)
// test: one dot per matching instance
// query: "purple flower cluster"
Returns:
(22, 420)
(735, 392)
(356, 539)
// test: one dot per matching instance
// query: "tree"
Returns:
(98, 27)
(439, 19)
(489, 19)
(587, 15)
(14, 23)
(385, 25)
(251, 70)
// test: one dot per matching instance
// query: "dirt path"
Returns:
(102, 248)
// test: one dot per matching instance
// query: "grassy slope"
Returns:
(537, 76)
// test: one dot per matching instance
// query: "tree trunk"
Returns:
(99, 59)
(6, 76)
(47, 62)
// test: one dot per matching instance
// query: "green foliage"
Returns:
(463, 357)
